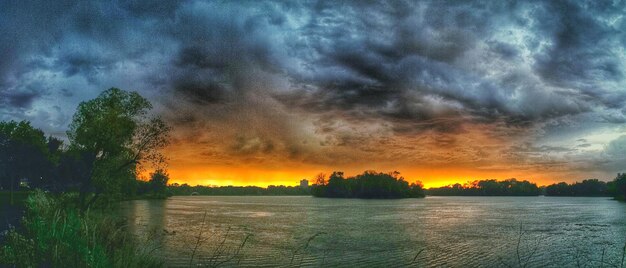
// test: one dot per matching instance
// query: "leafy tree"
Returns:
(336, 186)
(115, 136)
(25, 153)
(559, 189)
(370, 184)
(618, 187)
(158, 182)
(317, 189)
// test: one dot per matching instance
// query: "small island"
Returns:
(369, 185)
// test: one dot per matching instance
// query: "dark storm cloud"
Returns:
(17, 99)
(223, 50)
(402, 66)
(583, 49)
(410, 62)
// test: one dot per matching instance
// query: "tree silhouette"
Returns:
(158, 182)
(509, 187)
(618, 186)
(592, 187)
(369, 184)
(25, 153)
(115, 136)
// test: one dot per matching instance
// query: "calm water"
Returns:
(435, 231)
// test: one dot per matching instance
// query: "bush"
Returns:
(56, 234)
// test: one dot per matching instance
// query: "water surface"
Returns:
(434, 231)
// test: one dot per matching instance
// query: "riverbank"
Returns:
(13, 206)
(55, 232)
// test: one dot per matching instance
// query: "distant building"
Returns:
(304, 183)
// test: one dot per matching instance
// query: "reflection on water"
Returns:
(435, 231)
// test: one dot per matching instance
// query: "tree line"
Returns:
(509, 187)
(513, 187)
(186, 189)
(591, 187)
(111, 139)
(369, 184)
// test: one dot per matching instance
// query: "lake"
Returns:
(429, 232)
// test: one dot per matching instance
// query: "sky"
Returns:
(270, 92)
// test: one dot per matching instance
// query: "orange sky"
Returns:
(263, 178)
(266, 154)
(250, 174)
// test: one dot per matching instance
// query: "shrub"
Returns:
(56, 234)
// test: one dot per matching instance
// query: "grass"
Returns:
(56, 234)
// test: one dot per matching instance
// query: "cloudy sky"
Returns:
(263, 92)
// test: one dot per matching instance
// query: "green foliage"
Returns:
(57, 234)
(510, 187)
(24, 133)
(158, 183)
(25, 152)
(115, 135)
(107, 123)
(591, 187)
(618, 187)
(370, 184)
(559, 189)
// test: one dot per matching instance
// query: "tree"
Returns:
(590, 187)
(509, 187)
(370, 184)
(115, 135)
(319, 186)
(336, 186)
(618, 186)
(24, 154)
(320, 179)
(158, 182)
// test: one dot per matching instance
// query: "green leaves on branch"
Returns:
(117, 135)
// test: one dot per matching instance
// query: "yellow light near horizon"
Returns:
(183, 170)
(239, 177)
(225, 176)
